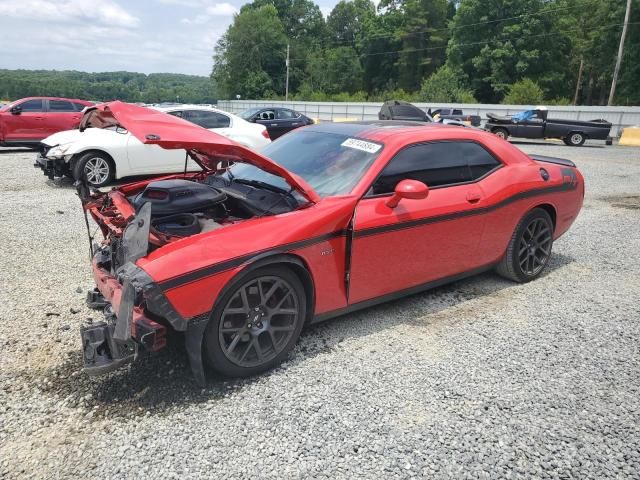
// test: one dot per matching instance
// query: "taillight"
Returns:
(265, 134)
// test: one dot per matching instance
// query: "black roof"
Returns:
(358, 127)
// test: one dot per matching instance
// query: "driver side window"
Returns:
(436, 164)
(32, 106)
(267, 115)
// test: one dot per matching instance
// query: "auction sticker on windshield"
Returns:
(361, 145)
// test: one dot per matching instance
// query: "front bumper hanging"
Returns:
(51, 167)
(115, 342)
(101, 352)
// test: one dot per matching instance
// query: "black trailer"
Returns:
(535, 124)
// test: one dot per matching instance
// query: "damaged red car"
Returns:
(329, 219)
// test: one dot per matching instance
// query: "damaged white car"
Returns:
(102, 155)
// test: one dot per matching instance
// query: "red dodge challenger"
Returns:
(327, 220)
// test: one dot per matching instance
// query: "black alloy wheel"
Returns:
(256, 323)
(529, 249)
(535, 247)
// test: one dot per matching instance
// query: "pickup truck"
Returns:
(535, 124)
(455, 114)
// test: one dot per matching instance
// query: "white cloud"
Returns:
(222, 10)
(105, 12)
(186, 3)
(213, 10)
(76, 35)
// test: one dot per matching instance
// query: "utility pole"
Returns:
(579, 82)
(286, 91)
(616, 71)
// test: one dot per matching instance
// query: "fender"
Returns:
(194, 335)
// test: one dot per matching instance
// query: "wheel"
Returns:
(575, 139)
(501, 133)
(96, 168)
(529, 248)
(256, 323)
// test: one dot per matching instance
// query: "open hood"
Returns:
(205, 147)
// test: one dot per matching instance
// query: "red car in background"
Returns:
(27, 121)
(329, 219)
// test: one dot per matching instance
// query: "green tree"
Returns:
(524, 92)
(345, 23)
(249, 58)
(336, 70)
(304, 28)
(420, 27)
(445, 86)
(498, 43)
(594, 28)
(104, 86)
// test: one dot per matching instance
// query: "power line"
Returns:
(433, 30)
(476, 43)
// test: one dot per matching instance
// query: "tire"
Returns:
(575, 139)
(244, 327)
(502, 133)
(94, 167)
(529, 249)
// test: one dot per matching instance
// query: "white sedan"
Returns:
(101, 155)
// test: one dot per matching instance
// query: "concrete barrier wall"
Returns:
(620, 117)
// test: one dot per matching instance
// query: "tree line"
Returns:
(126, 86)
(489, 51)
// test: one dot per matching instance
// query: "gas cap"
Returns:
(544, 174)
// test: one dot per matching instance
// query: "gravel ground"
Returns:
(479, 379)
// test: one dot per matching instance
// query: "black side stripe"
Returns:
(465, 213)
(237, 261)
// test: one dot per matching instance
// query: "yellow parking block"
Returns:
(630, 137)
(345, 119)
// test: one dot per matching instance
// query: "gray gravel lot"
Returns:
(479, 379)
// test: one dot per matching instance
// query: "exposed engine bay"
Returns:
(139, 218)
(181, 207)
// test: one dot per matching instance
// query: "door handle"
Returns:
(473, 197)
(274, 125)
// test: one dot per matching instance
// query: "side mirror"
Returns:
(409, 189)
(17, 110)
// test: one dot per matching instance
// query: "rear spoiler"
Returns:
(558, 161)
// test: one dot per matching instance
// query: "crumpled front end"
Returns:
(52, 160)
(137, 314)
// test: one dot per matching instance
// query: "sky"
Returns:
(145, 36)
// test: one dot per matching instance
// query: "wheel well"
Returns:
(550, 209)
(578, 131)
(299, 267)
(76, 157)
(500, 128)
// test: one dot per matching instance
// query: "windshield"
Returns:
(247, 114)
(331, 164)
